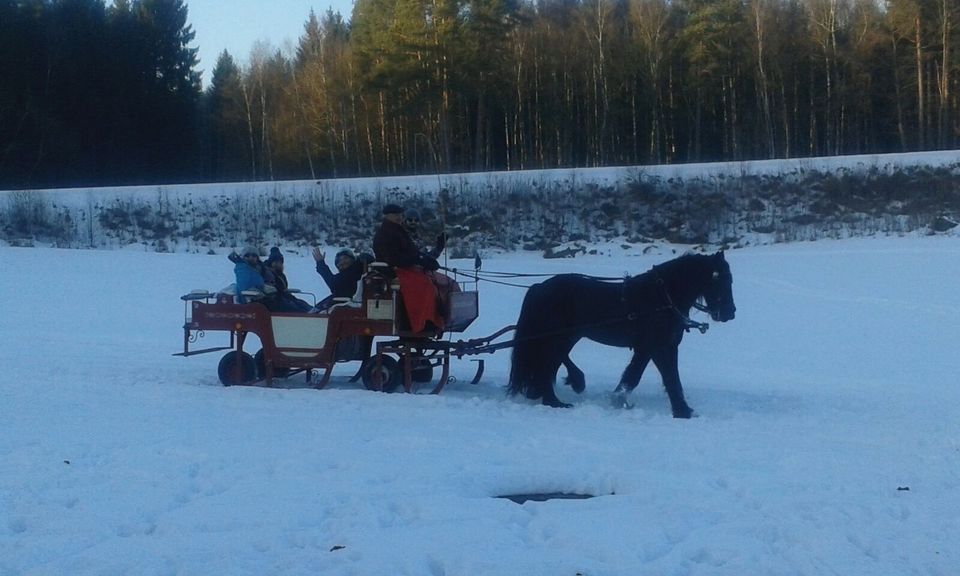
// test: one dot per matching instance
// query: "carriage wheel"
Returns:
(387, 378)
(231, 374)
(261, 363)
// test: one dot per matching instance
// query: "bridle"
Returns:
(684, 319)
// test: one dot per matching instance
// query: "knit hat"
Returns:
(392, 209)
(275, 256)
(344, 253)
(250, 250)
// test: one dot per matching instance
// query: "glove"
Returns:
(429, 264)
(234, 257)
(441, 242)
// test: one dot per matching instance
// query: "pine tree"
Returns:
(228, 151)
(172, 87)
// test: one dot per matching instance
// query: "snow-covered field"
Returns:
(828, 440)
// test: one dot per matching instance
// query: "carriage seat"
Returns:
(385, 271)
(381, 269)
(251, 295)
(344, 302)
(197, 295)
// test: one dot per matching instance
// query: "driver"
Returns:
(393, 244)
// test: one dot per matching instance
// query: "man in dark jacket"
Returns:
(424, 290)
(392, 243)
(343, 284)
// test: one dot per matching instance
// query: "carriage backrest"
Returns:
(249, 295)
(463, 309)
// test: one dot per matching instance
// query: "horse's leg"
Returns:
(575, 377)
(630, 378)
(634, 371)
(559, 354)
(666, 361)
(550, 395)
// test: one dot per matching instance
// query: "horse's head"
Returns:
(718, 292)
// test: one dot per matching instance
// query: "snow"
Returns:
(526, 180)
(827, 440)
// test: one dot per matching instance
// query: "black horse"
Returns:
(648, 313)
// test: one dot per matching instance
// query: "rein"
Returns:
(496, 274)
(670, 306)
(477, 278)
(688, 324)
(633, 316)
(489, 275)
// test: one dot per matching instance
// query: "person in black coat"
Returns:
(284, 300)
(343, 284)
(393, 244)
(426, 291)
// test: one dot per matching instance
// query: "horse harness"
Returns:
(685, 320)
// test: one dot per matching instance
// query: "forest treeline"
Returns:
(93, 94)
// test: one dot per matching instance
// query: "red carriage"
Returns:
(313, 343)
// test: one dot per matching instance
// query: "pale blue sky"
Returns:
(236, 25)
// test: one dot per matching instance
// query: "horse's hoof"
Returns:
(685, 414)
(578, 386)
(619, 400)
(556, 404)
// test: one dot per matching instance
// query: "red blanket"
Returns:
(420, 298)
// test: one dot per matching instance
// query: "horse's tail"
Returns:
(525, 346)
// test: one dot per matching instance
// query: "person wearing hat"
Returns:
(284, 300)
(343, 283)
(251, 255)
(248, 271)
(411, 221)
(393, 244)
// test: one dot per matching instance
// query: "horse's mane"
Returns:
(661, 270)
(669, 267)
(682, 260)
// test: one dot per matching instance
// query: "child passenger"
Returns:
(249, 272)
(284, 300)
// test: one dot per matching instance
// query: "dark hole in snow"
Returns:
(544, 496)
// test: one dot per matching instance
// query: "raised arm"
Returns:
(323, 269)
